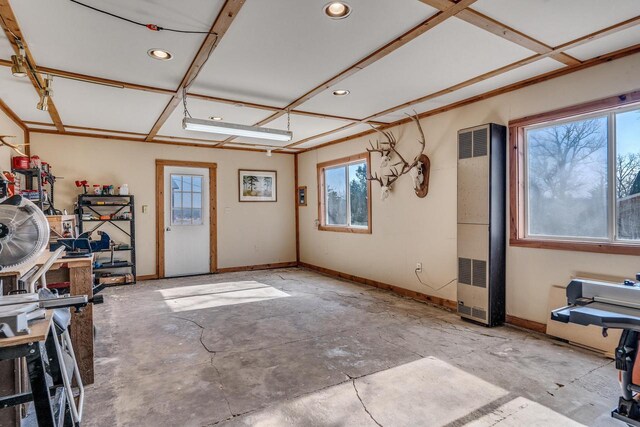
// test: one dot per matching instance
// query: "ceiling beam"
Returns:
(629, 23)
(143, 140)
(144, 88)
(380, 53)
(499, 29)
(219, 28)
(9, 24)
(612, 56)
(128, 136)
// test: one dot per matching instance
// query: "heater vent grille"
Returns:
(465, 145)
(480, 138)
(479, 313)
(464, 271)
(479, 273)
(463, 309)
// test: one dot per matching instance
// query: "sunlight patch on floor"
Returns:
(198, 297)
(427, 391)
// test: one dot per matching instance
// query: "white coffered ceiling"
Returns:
(274, 52)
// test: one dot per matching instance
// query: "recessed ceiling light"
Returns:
(337, 10)
(217, 119)
(159, 54)
(341, 92)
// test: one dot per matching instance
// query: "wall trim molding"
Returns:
(526, 324)
(271, 266)
(441, 302)
(146, 277)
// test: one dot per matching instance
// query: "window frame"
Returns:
(343, 162)
(191, 192)
(518, 228)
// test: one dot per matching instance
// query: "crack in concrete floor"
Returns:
(363, 405)
(402, 326)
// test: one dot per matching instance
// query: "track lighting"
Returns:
(17, 65)
(45, 93)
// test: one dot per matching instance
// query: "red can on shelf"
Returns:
(20, 162)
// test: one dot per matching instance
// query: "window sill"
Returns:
(345, 229)
(602, 248)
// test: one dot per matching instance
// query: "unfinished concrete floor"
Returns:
(293, 347)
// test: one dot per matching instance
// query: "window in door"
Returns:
(186, 199)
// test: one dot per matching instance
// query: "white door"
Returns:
(186, 221)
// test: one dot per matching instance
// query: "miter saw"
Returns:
(24, 235)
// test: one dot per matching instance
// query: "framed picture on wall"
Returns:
(257, 185)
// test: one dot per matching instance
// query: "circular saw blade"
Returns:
(24, 233)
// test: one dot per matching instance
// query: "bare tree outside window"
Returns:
(567, 186)
(628, 174)
(346, 195)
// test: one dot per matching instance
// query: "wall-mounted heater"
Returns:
(481, 223)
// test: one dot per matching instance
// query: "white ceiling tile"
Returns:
(450, 53)
(337, 135)
(5, 47)
(617, 41)
(534, 69)
(277, 50)
(201, 109)
(104, 107)
(557, 22)
(67, 36)
(20, 95)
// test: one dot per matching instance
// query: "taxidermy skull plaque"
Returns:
(418, 169)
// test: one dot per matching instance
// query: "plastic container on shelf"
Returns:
(124, 190)
(20, 162)
(36, 163)
(96, 189)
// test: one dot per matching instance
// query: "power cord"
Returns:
(431, 287)
(152, 27)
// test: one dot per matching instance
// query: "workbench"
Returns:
(37, 348)
(78, 272)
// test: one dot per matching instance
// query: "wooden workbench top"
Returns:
(39, 332)
(25, 268)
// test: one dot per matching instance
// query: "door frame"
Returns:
(213, 231)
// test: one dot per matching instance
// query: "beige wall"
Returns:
(8, 127)
(407, 230)
(248, 233)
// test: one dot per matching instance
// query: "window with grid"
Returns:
(344, 203)
(581, 179)
(186, 199)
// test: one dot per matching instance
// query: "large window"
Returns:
(576, 179)
(345, 195)
(186, 199)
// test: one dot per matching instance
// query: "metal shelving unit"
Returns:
(102, 205)
(42, 178)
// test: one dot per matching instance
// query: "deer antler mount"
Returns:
(418, 168)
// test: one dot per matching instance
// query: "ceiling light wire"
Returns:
(152, 27)
(184, 103)
(289, 120)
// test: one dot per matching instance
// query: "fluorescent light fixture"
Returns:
(200, 125)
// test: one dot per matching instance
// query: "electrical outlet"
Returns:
(419, 267)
